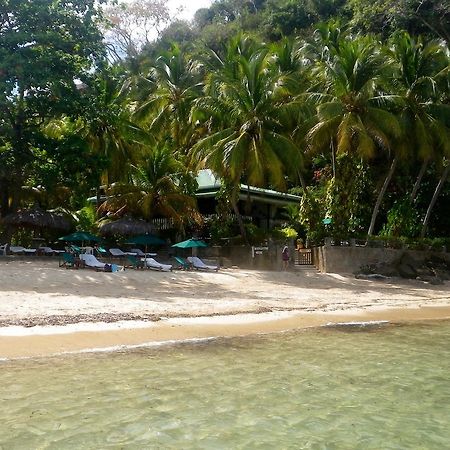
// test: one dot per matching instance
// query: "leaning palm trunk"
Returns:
(380, 197)
(437, 191)
(415, 190)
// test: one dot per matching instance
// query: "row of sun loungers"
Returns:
(135, 257)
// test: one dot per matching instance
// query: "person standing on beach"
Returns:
(285, 257)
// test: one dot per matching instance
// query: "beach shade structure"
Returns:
(37, 218)
(126, 227)
(80, 236)
(146, 240)
(190, 243)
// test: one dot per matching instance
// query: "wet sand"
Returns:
(45, 310)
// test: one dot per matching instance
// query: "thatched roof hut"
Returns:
(126, 227)
(37, 218)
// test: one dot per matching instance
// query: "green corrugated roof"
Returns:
(209, 185)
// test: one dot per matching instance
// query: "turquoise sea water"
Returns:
(382, 388)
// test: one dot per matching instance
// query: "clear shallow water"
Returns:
(386, 388)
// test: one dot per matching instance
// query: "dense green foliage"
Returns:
(344, 102)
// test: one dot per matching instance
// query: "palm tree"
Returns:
(106, 125)
(420, 68)
(159, 186)
(437, 191)
(176, 81)
(247, 141)
(349, 120)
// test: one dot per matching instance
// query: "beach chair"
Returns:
(3, 249)
(18, 250)
(139, 252)
(68, 261)
(117, 253)
(92, 262)
(48, 251)
(182, 263)
(74, 249)
(100, 251)
(155, 265)
(198, 264)
(135, 263)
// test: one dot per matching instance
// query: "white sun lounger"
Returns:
(17, 250)
(140, 253)
(153, 264)
(198, 264)
(91, 261)
(119, 253)
(49, 251)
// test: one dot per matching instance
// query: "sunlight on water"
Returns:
(385, 388)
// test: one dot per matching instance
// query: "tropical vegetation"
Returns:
(344, 102)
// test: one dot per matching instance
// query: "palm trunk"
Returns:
(302, 181)
(234, 203)
(380, 197)
(433, 200)
(415, 190)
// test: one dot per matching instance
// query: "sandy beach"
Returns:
(46, 310)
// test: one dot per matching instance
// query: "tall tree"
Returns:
(159, 186)
(349, 119)
(135, 24)
(175, 82)
(106, 124)
(421, 67)
(44, 47)
(247, 141)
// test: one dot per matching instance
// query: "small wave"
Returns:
(366, 324)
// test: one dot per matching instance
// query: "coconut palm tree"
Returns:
(248, 141)
(158, 187)
(107, 126)
(421, 67)
(176, 83)
(349, 120)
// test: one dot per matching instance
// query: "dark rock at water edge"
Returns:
(433, 270)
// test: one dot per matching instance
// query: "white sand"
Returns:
(40, 293)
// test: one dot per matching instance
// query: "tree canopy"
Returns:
(345, 102)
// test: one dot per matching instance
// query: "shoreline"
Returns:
(45, 310)
(18, 342)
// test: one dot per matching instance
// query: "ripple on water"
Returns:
(383, 388)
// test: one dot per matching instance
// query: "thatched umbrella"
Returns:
(126, 227)
(37, 218)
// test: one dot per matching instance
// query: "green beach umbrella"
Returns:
(190, 243)
(80, 236)
(145, 239)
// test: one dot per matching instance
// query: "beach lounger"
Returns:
(48, 251)
(200, 265)
(74, 249)
(92, 262)
(182, 263)
(100, 251)
(139, 252)
(155, 265)
(18, 250)
(3, 249)
(117, 253)
(68, 261)
(135, 263)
